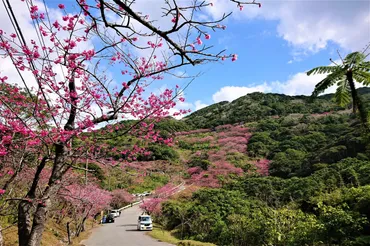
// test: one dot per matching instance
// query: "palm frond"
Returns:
(342, 95)
(354, 59)
(322, 69)
(362, 77)
(364, 66)
(330, 80)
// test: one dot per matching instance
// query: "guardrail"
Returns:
(170, 193)
(130, 205)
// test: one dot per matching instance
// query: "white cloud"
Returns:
(310, 25)
(199, 105)
(298, 84)
(230, 93)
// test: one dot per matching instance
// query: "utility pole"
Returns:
(86, 166)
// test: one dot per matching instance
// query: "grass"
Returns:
(168, 237)
(163, 235)
(194, 243)
(54, 234)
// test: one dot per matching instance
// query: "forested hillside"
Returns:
(257, 106)
(285, 171)
(282, 171)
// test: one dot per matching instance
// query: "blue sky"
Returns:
(275, 44)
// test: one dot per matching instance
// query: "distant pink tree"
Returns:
(263, 166)
(194, 170)
(152, 205)
(192, 132)
(121, 198)
(223, 127)
(84, 201)
(225, 168)
(205, 179)
(87, 199)
(229, 139)
(165, 191)
(217, 155)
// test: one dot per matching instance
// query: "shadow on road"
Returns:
(127, 225)
(133, 230)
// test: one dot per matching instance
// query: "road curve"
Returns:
(122, 233)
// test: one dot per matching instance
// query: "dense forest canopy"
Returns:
(257, 106)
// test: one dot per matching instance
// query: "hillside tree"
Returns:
(353, 68)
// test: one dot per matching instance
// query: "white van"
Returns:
(144, 222)
(115, 213)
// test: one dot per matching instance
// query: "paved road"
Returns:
(122, 233)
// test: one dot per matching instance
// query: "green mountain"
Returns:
(257, 106)
(264, 169)
(292, 171)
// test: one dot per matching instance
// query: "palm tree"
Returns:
(353, 68)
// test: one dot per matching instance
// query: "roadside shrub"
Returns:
(193, 243)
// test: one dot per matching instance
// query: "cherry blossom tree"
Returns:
(64, 67)
(86, 201)
(262, 166)
(120, 198)
(153, 205)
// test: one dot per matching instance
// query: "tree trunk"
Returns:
(1, 237)
(356, 100)
(68, 233)
(39, 220)
(81, 227)
(25, 208)
(24, 222)
(353, 91)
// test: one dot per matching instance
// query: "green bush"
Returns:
(193, 243)
(163, 152)
(198, 162)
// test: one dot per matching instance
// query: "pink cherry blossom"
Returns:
(33, 9)
(2, 79)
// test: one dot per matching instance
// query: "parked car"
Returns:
(116, 213)
(147, 193)
(144, 222)
(110, 218)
